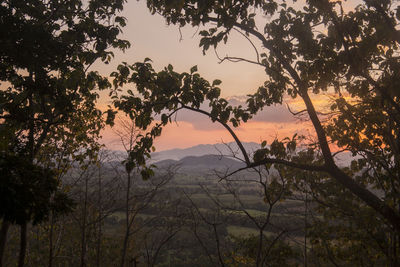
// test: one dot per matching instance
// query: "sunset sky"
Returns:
(151, 37)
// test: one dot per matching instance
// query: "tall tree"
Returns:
(46, 49)
(305, 51)
(127, 134)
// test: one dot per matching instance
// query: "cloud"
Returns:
(184, 134)
(277, 113)
(271, 114)
(199, 121)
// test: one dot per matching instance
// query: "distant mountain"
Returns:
(201, 150)
(195, 153)
(344, 159)
(205, 163)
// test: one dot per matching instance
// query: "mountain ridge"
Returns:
(225, 149)
(203, 163)
(204, 149)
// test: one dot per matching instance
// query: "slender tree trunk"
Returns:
(260, 244)
(83, 229)
(305, 231)
(51, 240)
(3, 239)
(99, 233)
(124, 247)
(127, 225)
(30, 146)
(23, 242)
(221, 261)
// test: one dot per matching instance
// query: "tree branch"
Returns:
(238, 142)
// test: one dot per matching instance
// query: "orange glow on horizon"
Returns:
(184, 134)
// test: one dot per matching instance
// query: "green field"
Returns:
(240, 231)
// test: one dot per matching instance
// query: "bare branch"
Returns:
(238, 142)
(251, 42)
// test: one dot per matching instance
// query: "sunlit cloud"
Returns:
(182, 134)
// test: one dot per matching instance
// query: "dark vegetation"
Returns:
(65, 201)
(179, 217)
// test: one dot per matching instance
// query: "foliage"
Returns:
(46, 49)
(26, 190)
(275, 253)
(320, 48)
(47, 101)
(48, 97)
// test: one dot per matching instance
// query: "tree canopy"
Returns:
(305, 50)
(48, 94)
(46, 49)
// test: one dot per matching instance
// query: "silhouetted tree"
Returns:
(304, 51)
(46, 49)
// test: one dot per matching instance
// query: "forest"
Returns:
(67, 200)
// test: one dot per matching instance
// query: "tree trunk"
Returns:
(127, 231)
(83, 228)
(23, 241)
(305, 230)
(260, 244)
(3, 239)
(51, 240)
(99, 233)
(221, 261)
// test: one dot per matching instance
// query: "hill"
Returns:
(204, 149)
(202, 164)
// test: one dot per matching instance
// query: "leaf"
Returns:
(147, 173)
(193, 69)
(263, 144)
(216, 82)
(164, 118)
(259, 155)
(121, 21)
(110, 117)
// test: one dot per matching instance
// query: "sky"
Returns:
(151, 37)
